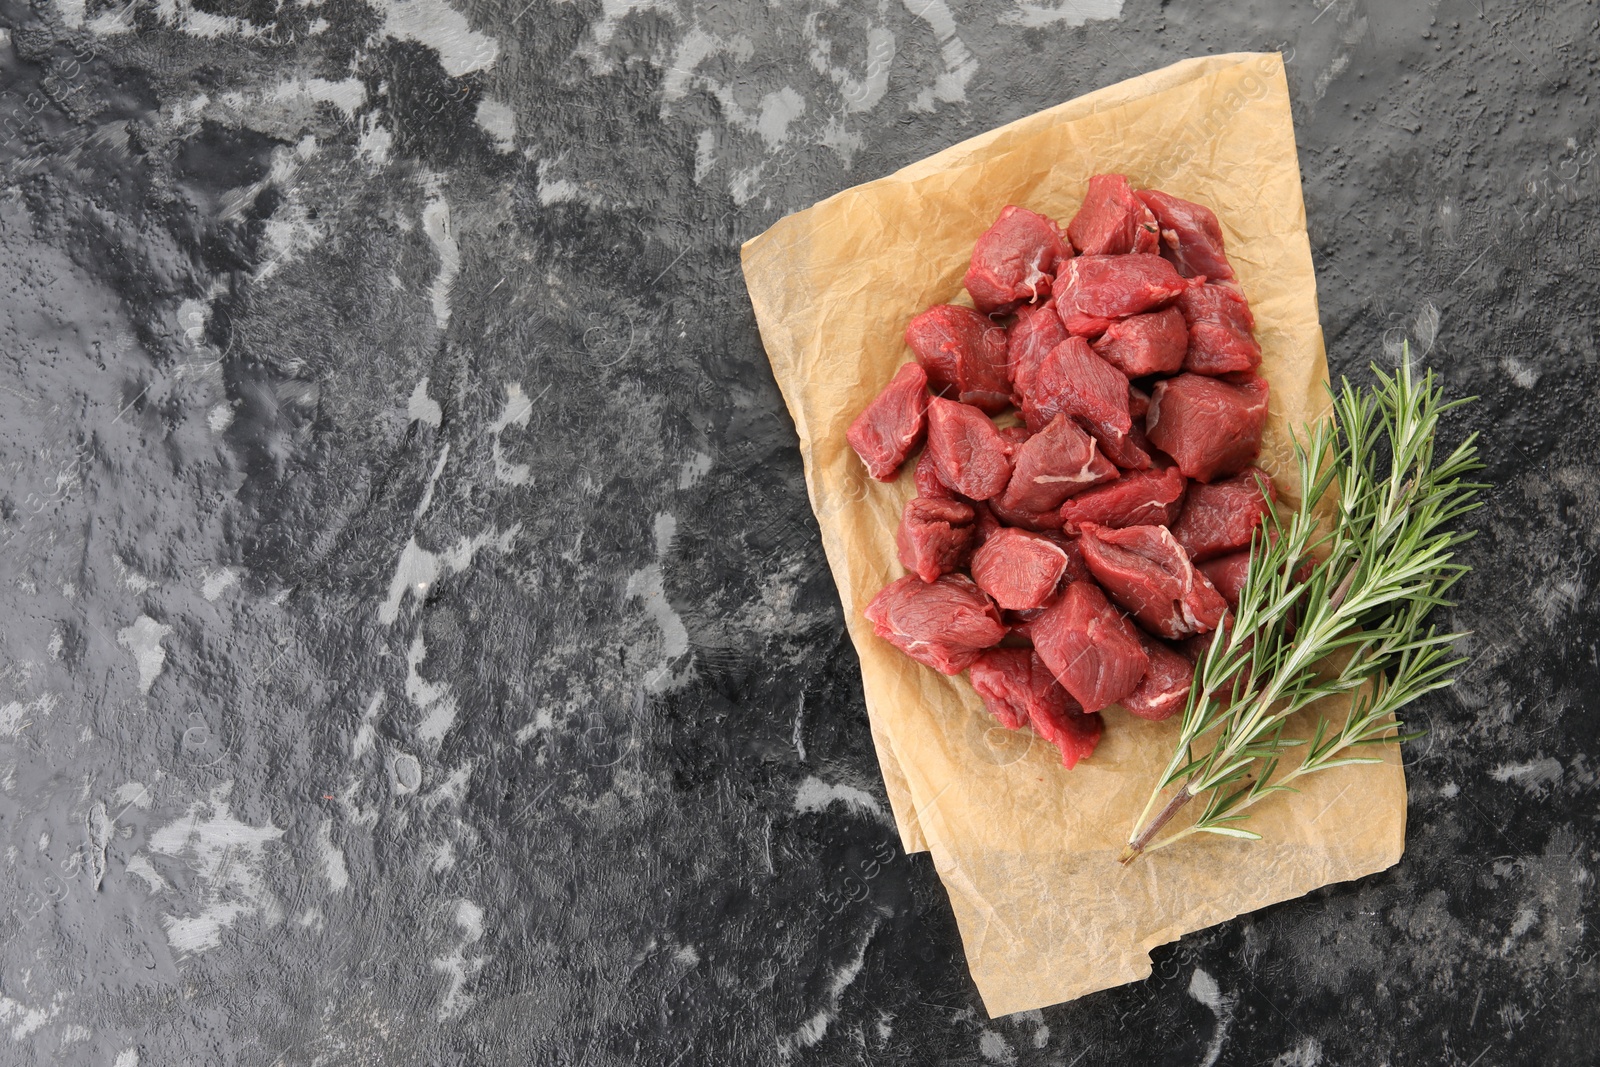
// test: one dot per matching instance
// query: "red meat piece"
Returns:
(1222, 517)
(1210, 426)
(934, 537)
(1004, 678)
(968, 452)
(1018, 569)
(944, 624)
(1152, 343)
(1073, 380)
(1191, 237)
(892, 424)
(1138, 498)
(1114, 287)
(1035, 332)
(1055, 463)
(1223, 305)
(1164, 689)
(1112, 220)
(926, 478)
(1089, 646)
(1015, 260)
(1143, 569)
(964, 354)
(1221, 340)
(1072, 731)
(1019, 690)
(1228, 574)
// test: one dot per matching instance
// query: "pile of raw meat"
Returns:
(1081, 555)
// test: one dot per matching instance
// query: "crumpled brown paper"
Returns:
(1026, 849)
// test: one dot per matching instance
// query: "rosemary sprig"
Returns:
(1356, 625)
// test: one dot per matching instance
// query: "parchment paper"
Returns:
(1026, 849)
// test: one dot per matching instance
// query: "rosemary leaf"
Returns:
(1357, 624)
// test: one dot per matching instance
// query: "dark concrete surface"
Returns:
(417, 647)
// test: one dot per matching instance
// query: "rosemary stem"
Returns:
(1343, 591)
(1385, 564)
(1136, 846)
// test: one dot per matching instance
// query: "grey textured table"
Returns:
(417, 644)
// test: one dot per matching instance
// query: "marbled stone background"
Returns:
(417, 647)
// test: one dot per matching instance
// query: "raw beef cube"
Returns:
(968, 452)
(1018, 569)
(1222, 517)
(934, 537)
(944, 624)
(1075, 381)
(1138, 498)
(1036, 331)
(1004, 678)
(1164, 690)
(1220, 330)
(1190, 235)
(893, 424)
(1210, 426)
(1089, 646)
(1074, 733)
(926, 479)
(964, 354)
(1223, 305)
(1112, 220)
(1114, 287)
(1056, 462)
(1152, 343)
(1143, 569)
(1015, 260)
(1216, 349)
(1019, 690)
(1228, 574)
